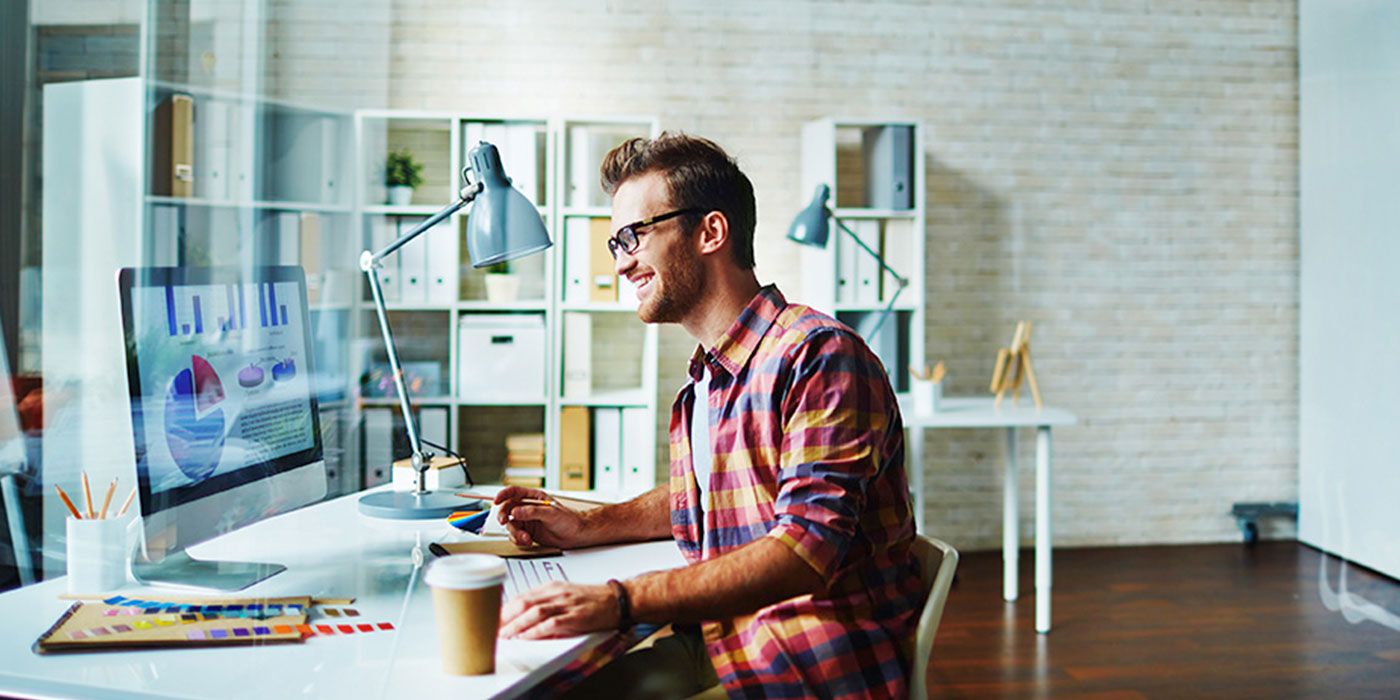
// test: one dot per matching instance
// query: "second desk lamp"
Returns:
(812, 227)
(503, 225)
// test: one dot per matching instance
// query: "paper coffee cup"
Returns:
(467, 602)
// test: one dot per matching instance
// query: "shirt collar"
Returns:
(738, 343)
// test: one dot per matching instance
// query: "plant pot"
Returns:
(502, 288)
(400, 195)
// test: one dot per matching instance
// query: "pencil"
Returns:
(111, 489)
(525, 501)
(67, 502)
(87, 496)
(127, 504)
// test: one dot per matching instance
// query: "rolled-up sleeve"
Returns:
(835, 421)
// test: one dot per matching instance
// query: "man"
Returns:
(788, 494)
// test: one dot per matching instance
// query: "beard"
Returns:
(675, 290)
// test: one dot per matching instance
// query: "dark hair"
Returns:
(698, 173)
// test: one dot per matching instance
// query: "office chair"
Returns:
(937, 562)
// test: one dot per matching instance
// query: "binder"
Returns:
(163, 245)
(638, 457)
(382, 233)
(173, 147)
(867, 269)
(576, 260)
(602, 286)
(575, 463)
(379, 446)
(413, 263)
(889, 161)
(578, 355)
(213, 127)
(583, 170)
(441, 267)
(898, 250)
(288, 241)
(846, 253)
(523, 165)
(310, 253)
(607, 449)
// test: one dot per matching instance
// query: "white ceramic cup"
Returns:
(99, 553)
(467, 603)
(927, 396)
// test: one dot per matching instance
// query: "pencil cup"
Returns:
(98, 553)
(927, 396)
(467, 604)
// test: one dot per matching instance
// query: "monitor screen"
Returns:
(219, 367)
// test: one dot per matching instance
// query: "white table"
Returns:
(982, 413)
(330, 551)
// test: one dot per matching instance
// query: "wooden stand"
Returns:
(1012, 364)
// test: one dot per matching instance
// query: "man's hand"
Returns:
(548, 525)
(559, 609)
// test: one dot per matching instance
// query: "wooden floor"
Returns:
(1216, 621)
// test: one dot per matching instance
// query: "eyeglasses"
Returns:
(626, 237)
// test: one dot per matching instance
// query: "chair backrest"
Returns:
(937, 563)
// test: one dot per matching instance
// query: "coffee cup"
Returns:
(467, 604)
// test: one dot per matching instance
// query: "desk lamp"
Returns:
(812, 226)
(503, 225)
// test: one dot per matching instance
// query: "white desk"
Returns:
(981, 413)
(330, 550)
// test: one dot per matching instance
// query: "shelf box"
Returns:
(501, 356)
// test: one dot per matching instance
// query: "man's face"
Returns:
(665, 267)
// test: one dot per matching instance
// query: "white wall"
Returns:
(1349, 471)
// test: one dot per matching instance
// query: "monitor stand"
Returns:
(180, 570)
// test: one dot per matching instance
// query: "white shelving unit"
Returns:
(543, 156)
(876, 171)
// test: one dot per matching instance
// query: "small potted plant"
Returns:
(402, 174)
(502, 287)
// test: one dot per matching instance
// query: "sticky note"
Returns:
(331, 611)
(305, 629)
(325, 629)
(142, 625)
(77, 634)
(365, 627)
(282, 629)
(351, 612)
(218, 634)
(345, 629)
(121, 628)
(196, 634)
(260, 630)
(99, 631)
(240, 632)
(386, 626)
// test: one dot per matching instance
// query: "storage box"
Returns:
(501, 357)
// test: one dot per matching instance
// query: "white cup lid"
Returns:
(466, 571)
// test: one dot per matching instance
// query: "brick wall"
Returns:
(1123, 175)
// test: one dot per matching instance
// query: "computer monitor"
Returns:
(223, 413)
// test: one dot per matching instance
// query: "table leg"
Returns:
(1043, 534)
(1010, 519)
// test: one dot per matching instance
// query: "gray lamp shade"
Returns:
(812, 225)
(503, 224)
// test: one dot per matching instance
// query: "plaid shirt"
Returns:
(808, 449)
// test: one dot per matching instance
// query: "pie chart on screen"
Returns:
(194, 420)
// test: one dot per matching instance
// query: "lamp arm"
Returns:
(370, 262)
(903, 282)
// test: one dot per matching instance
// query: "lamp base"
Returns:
(406, 505)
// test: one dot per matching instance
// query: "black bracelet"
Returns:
(624, 605)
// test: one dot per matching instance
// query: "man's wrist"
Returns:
(624, 605)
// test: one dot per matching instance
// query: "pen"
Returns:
(67, 502)
(111, 489)
(524, 501)
(87, 496)
(127, 504)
